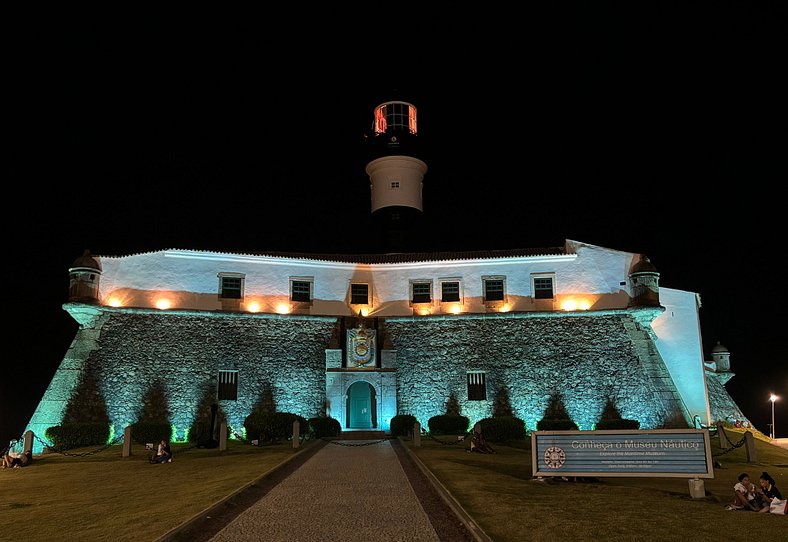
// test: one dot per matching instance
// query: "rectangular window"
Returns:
(300, 290)
(477, 386)
(394, 184)
(422, 292)
(450, 291)
(359, 294)
(543, 287)
(228, 385)
(230, 286)
(493, 289)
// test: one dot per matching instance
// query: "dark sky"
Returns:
(659, 129)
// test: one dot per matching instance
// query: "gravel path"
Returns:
(339, 493)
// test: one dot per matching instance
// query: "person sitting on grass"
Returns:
(164, 453)
(769, 491)
(745, 495)
(15, 460)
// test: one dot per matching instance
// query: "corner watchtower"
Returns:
(84, 279)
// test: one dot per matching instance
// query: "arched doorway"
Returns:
(361, 406)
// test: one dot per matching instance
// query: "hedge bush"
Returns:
(502, 429)
(402, 425)
(447, 424)
(324, 427)
(199, 431)
(622, 423)
(273, 426)
(144, 432)
(77, 435)
(549, 424)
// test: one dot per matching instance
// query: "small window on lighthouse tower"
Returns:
(394, 184)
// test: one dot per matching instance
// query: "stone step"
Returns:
(362, 435)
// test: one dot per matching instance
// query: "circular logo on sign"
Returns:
(554, 457)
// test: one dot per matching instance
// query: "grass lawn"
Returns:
(107, 497)
(499, 492)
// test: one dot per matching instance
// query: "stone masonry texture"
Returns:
(583, 359)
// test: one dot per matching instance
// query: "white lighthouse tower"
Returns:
(395, 173)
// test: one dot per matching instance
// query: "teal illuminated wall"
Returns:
(583, 357)
(280, 360)
(140, 361)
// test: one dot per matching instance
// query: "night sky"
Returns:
(659, 130)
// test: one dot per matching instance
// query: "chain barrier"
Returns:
(465, 436)
(301, 438)
(733, 447)
(53, 448)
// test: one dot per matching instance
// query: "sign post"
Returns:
(662, 453)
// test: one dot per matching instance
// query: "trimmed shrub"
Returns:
(402, 425)
(502, 429)
(621, 423)
(555, 425)
(77, 435)
(324, 427)
(448, 424)
(144, 432)
(200, 431)
(273, 426)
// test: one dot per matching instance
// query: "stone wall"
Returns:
(721, 404)
(584, 358)
(279, 359)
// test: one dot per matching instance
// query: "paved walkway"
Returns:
(342, 493)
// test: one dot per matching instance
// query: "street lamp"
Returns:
(773, 398)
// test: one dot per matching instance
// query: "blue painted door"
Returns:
(360, 400)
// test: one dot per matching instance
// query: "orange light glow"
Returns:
(424, 312)
(575, 304)
(254, 306)
(455, 309)
(115, 302)
(569, 305)
(364, 312)
(380, 119)
(505, 308)
(283, 308)
(163, 304)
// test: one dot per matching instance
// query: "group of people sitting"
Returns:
(759, 498)
(15, 460)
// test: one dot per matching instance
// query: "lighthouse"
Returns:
(396, 174)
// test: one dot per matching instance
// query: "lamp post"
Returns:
(773, 398)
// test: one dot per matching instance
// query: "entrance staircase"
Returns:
(362, 435)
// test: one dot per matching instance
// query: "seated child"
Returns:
(745, 495)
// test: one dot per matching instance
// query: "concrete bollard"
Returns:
(749, 442)
(296, 432)
(417, 434)
(223, 437)
(127, 441)
(28, 442)
(696, 488)
(724, 442)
